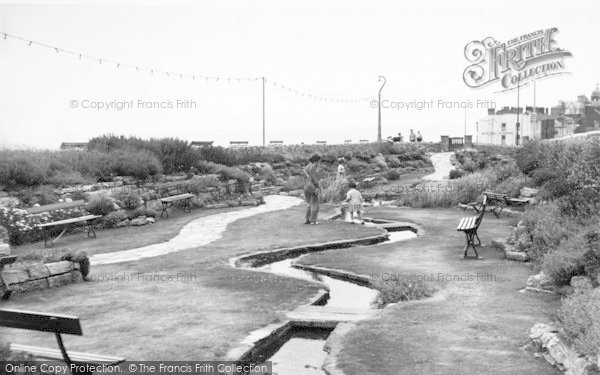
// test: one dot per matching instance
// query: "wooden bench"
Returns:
(469, 225)
(57, 324)
(64, 224)
(169, 201)
(499, 201)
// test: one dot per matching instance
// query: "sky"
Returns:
(335, 49)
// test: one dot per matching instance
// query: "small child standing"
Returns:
(355, 202)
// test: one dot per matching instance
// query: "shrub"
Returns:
(101, 205)
(356, 165)
(392, 175)
(402, 289)
(392, 161)
(561, 265)
(293, 183)
(113, 218)
(140, 164)
(591, 259)
(456, 173)
(546, 227)
(333, 190)
(512, 186)
(131, 200)
(580, 318)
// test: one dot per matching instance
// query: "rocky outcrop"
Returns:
(510, 251)
(548, 342)
(540, 283)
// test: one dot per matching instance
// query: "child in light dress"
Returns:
(355, 202)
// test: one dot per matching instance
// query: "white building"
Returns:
(501, 128)
(511, 127)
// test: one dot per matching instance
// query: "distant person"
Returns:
(311, 189)
(341, 169)
(412, 136)
(398, 138)
(419, 137)
(355, 202)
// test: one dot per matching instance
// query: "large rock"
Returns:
(60, 280)
(541, 282)
(518, 256)
(380, 161)
(122, 223)
(556, 352)
(30, 286)
(15, 276)
(529, 192)
(58, 268)
(38, 271)
(138, 221)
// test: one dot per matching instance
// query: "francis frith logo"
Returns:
(515, 62)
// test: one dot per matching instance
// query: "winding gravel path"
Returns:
(199, 232)
(443, 166)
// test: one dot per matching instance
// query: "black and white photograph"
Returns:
(335, 187)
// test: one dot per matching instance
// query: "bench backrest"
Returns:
(36, 321)
(482, 212)
(55, 206)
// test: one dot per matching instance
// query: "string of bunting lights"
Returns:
(154, 71)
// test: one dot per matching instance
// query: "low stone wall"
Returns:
(41, 276)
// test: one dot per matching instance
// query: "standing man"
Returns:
(412, 136)
(311, 189)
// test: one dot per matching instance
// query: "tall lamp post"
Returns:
(518, 111)
(379, 109)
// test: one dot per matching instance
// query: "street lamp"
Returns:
(379, 109)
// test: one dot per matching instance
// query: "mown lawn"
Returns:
(203, 311)
(476, 323)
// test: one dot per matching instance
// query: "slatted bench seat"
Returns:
(169, 201)
(499, 201)
(469, 226)
(57, 324)
(85, 220)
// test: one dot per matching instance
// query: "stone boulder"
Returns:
(540, 283)
(138, 221)
(379, 160)
(529, 192)
(555, 351)
(122, 223)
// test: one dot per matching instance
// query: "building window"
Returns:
(503, 138)
(503, 126)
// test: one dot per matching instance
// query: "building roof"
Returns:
(67, 145)
(201, 143)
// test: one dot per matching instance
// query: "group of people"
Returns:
(412, 137)
(312, 191)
